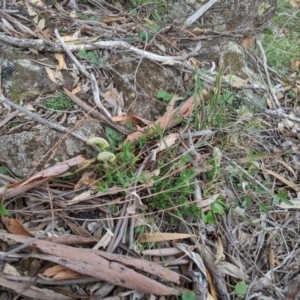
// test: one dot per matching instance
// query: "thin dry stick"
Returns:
(138, 173)
(43, 121)
(42, 45)
(52, 210)
(114, 241)
(91, 77)
(8, 117)
(1, 94)
(49, 227)
(194, 17)
(50, 281)
(281, 114)
(264, 61)
(248, 296)
(251, 177)
(95, 113)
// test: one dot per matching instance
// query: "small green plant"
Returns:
(227, 97)
(282, 196)
(116, 169)
(175, 191)
(14, 124)
(59, 102)
(263, 207)
(145, 36)
(208, 218)
(188, 295)
(241, 289)
(154, 10)
(4, 211)
(281, 41)
(217, 208)
(119, 171)
(214, 113)
(161, 94)
(85, 17)
(246, 201)
(104, 155)
(91, 57)
(3, 170)
(114, 138)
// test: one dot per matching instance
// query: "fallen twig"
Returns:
(195, 16)
(121, 227)
(50, 281)
(104, 266)
(31, 182)
(9, 117)
(281, 114)
(46, 122)
(95, 113)
(28, 243)
(264, 62)
(42, 45)
(91, 77)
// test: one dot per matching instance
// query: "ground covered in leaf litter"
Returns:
(198, 204)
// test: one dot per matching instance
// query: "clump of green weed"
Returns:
(281, 41)
(152, 10)
(175, 191)
(4, 211)
(59, 102)
(120, 172)
(85, 17)
(172, 191)
(165, 96)
(91, 57)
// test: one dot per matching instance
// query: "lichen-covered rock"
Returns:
(31, 151)
(23, 78)
(147, 78)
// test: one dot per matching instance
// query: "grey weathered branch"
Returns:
(194, 17)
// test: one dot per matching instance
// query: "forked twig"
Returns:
(264, 62)
(195, 16)
(15, 250)
(91, 77)
(45, 122)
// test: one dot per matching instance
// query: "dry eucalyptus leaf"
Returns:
(167, 142)
(137, 204)
(10, 270)
(220, 251)
(232, 270)
(162, 236)
(194, 256)
(104, 241)
(59, 272)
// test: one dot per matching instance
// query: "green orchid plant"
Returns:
(103, 145)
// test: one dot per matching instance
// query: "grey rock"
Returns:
(23, 77)
(27, 152)
(147, 78)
